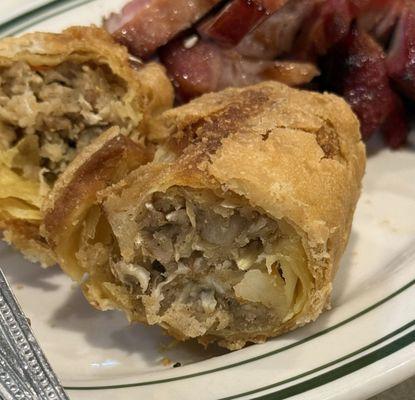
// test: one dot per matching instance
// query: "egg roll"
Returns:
(57, 93)
(234, 232)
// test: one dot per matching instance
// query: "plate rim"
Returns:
(339, 372)
(38, 14)
(17, 24)
(269, 353)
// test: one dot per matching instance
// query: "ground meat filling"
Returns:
(58, 111)
(204, 265)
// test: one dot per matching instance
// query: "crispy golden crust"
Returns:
(148, 93)
(25, 235)
(101, 164)
(92, 44)
(302, 153)
(293, 155)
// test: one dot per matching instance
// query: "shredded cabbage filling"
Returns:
(47, 114)
(211, 265)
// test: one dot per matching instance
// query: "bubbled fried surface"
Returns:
(293, 155)
(143, 91)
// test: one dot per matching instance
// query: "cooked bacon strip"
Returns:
(237, 18)
(145, 25)
(401, 58)
(360, 76)
(206, 67)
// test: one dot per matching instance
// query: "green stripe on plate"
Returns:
(249, 360)
(339, 372)
(37, 15)
(56, 7)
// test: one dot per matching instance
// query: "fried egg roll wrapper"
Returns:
(58, 92)
(234, 232)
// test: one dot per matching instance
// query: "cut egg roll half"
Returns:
(234, 232)
(58, 92)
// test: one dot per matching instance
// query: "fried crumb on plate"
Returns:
(166, 361)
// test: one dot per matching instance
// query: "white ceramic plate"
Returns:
(364, 345)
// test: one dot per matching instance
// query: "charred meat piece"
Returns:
(369, 44)
(276, 35)
(326, 25)
(206, 67)
(193, 65)
(238, 18)
(378, 17)
(396, 127)
(359, 74)
(401, 58)
(311, 27)
(145, 25)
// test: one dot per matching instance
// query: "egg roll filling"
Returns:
(209, 264)
(47, 114)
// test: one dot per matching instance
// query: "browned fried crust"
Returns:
(148, 88)
(101, 164)
(149, 92)
(292, 154)
(307, 143)
(25, 235)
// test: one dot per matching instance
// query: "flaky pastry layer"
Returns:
(234, 232)
(58, 92)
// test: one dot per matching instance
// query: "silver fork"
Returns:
(24, 370)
